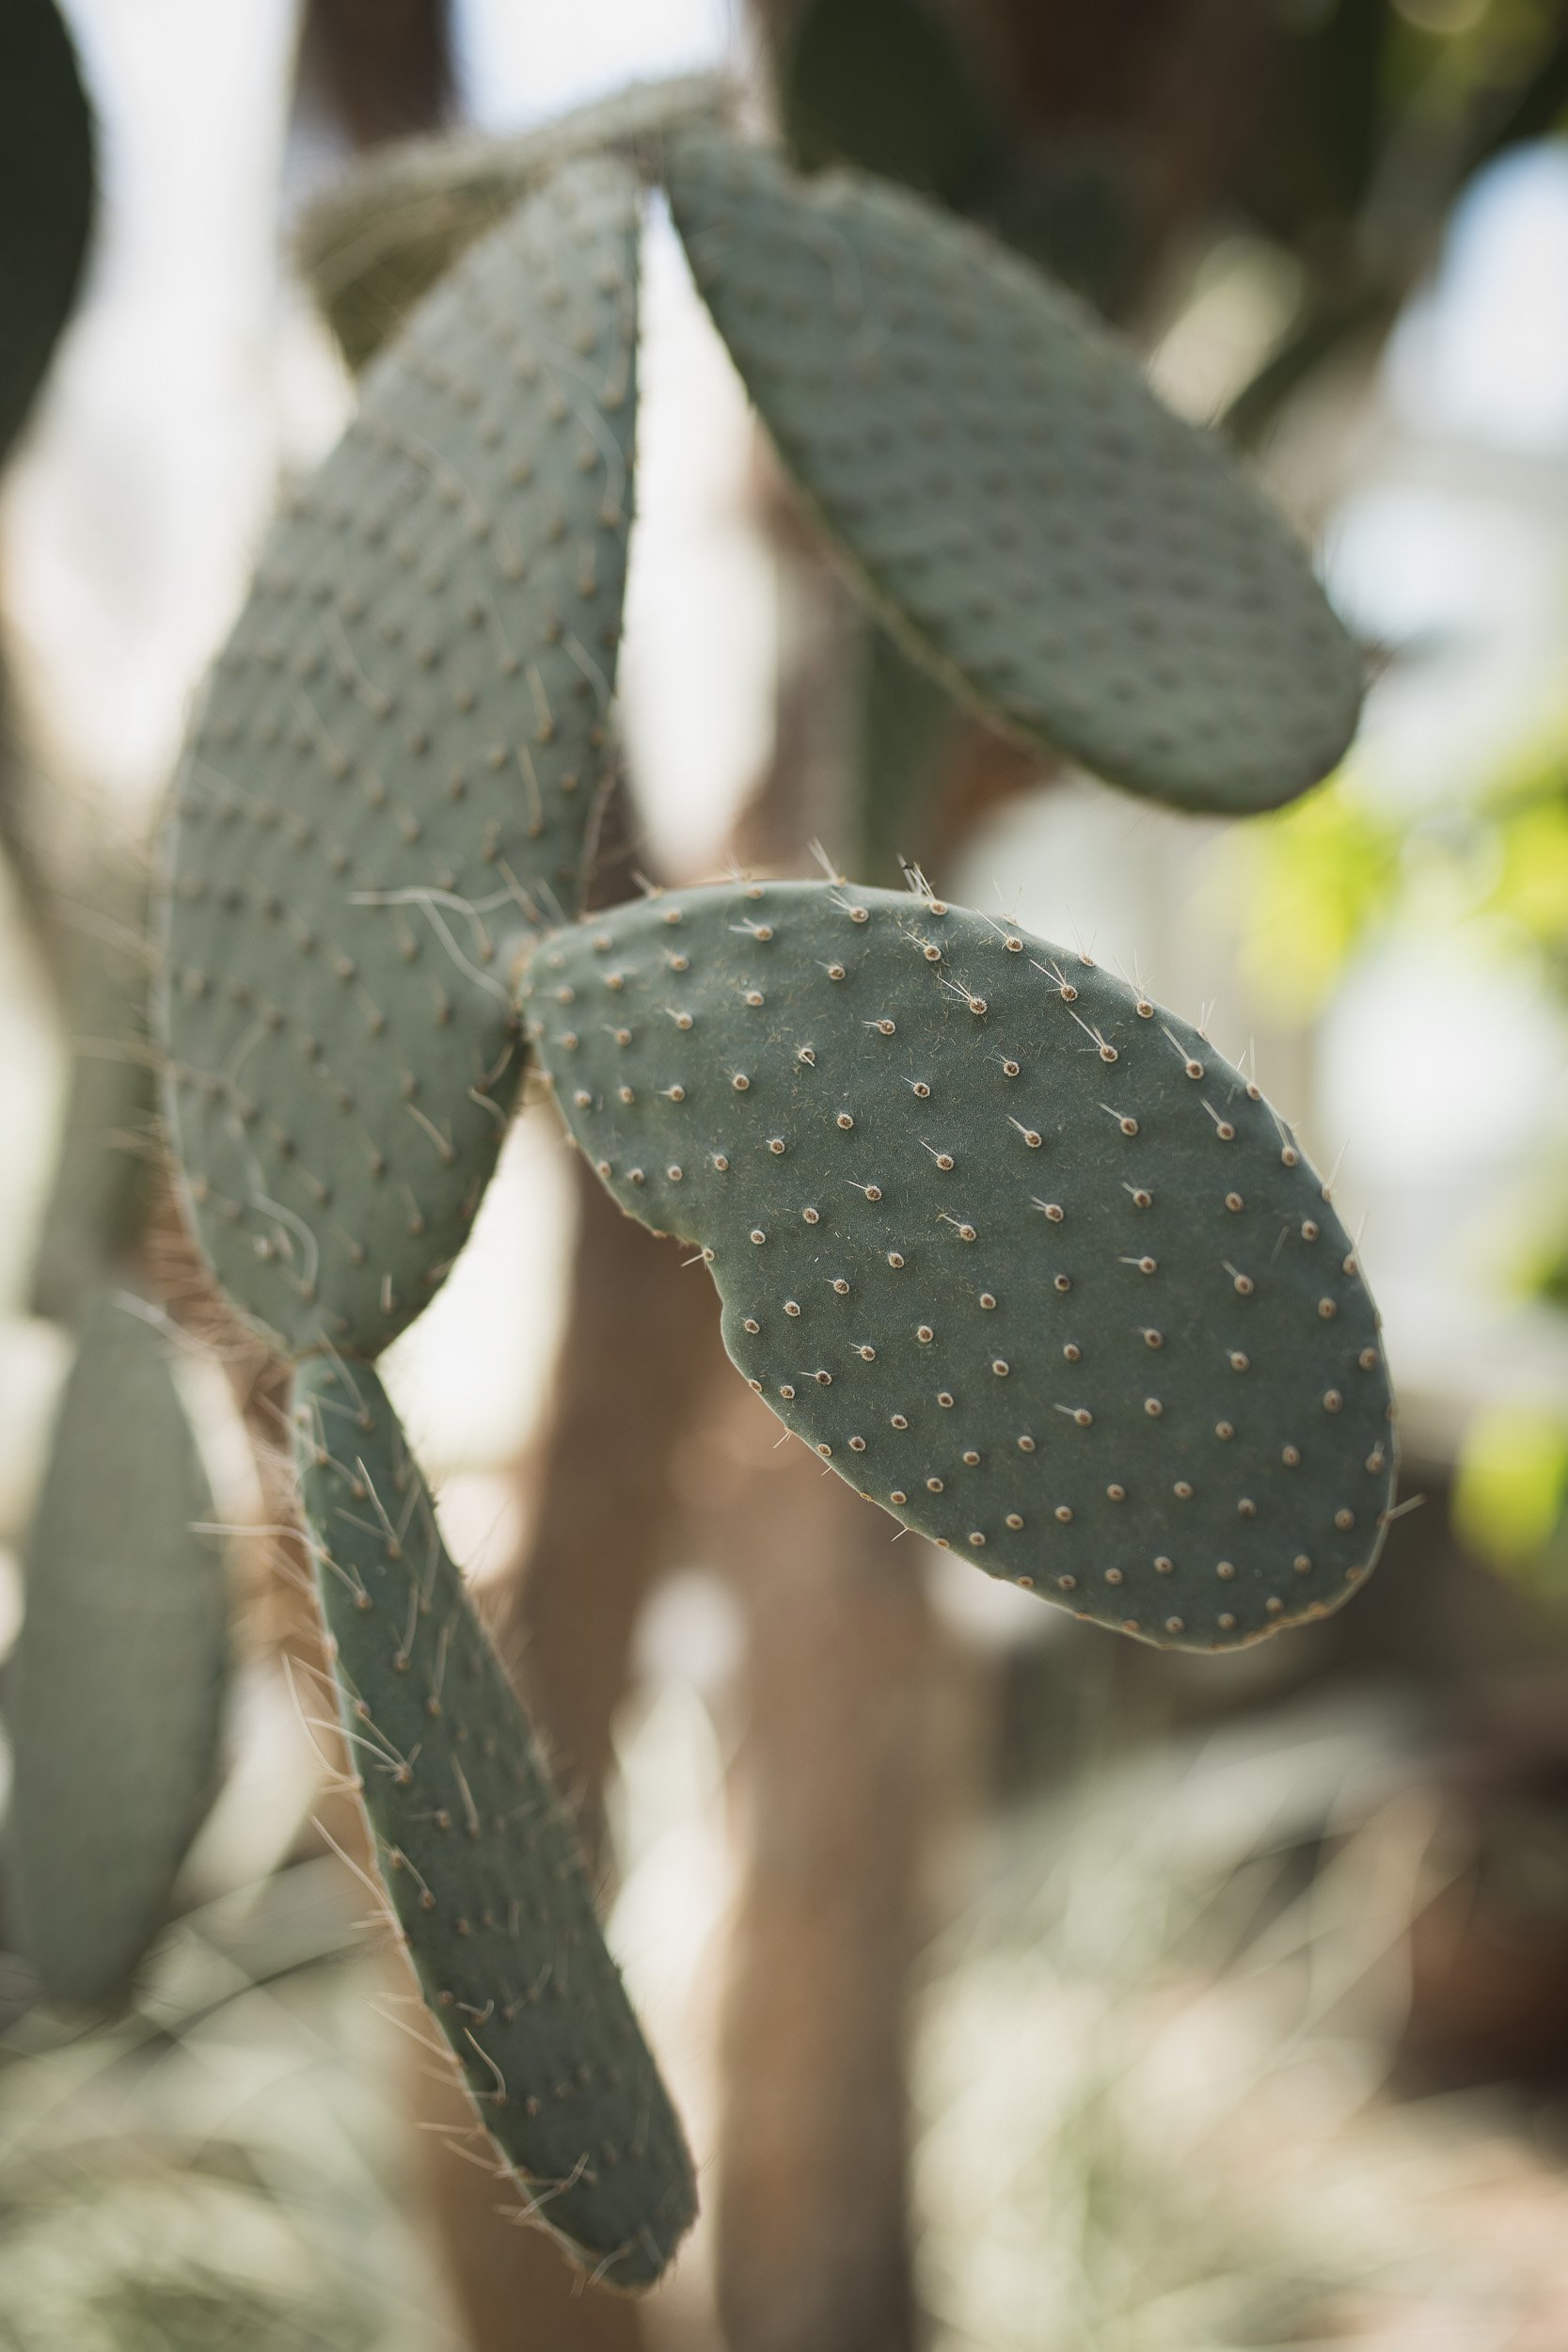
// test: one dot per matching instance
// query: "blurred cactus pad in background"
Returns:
(1026, 1265)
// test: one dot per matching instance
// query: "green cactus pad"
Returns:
(397, 767)
(1014, 1250)
(46, 197)
(115, 1694)
(373, 243)
(480, 1863)
(1089, 571)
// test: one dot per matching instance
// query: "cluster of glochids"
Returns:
(1017, 1252)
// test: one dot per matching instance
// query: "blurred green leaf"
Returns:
(1511, 1494)
(1313, 885)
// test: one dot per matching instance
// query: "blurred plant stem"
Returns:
(860, 1728)
(1470, 102)
(641, 1341)
(383, 68)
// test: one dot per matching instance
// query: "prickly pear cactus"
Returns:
(115, 1694)
(481, 1865)
(397, 772)
(1015, 1251)
(1025, 1260)
(1086, 568)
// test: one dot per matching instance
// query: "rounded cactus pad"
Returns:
(1013, 1249)
(1090, 571)
(115, 1694)
(480, 1863)
(399, 767)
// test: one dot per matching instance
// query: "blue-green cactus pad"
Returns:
(1017, 1252)
(480, 1863)
(1091, 572)
(398, 768)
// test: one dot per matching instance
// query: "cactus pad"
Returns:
(397, 767)
(481, 1865)
(115, 1694)
(1090, 571)
(1015, 1250)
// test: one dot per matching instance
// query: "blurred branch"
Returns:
(1322, 329)
(630, 1377)
(1364, 269)
(383, 68)
(853, 1715)
(1538, 108)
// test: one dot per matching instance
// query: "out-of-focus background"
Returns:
(1024, 1990)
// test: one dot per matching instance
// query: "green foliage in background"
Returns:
(1510, 1497)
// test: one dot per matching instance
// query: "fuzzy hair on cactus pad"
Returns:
(1013, 1249)
(480, 1863)
(398, 769)
(1089, 571)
